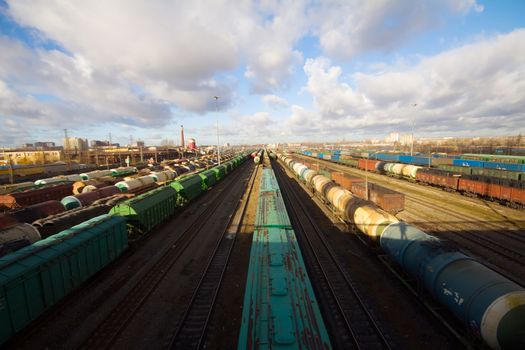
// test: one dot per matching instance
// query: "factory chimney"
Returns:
(182, 136)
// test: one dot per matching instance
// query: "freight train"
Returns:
(488, 304)
(505, 190)
(37, 276)
(280, 309)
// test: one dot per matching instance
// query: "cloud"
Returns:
(468, 88)
(143, 64)
(379, 25)
(73, 90)
(274, 102)
(176, 51)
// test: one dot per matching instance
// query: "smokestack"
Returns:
(182, 136)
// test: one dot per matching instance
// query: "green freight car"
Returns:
(220, 172)
(502, 174)
(35, 277)
(228, 167)
(146, 211)
(465, 170)
(208, 179)
(351, 162)
(188, 188)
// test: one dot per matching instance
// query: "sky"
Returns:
(284, 71)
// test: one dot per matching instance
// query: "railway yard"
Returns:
(267, 250)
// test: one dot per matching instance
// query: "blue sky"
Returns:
(284, 71)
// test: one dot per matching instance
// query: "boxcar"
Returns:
(35, 277)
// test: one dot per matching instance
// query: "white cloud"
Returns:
(143, 63)
(347, 28)
(274, 102)
(175, 50)
(465, 89)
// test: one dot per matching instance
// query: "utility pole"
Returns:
(217, 120)
(66, 146)
(366, 176)
(11, 172)
(110, 143)
(412, 136)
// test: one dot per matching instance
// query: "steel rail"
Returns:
(108, 330)
(191, 331)
(359, 322)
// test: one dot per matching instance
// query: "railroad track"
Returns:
(356, 327)
(405, 186)
(191, 331)
(506, 251)
(108, 330)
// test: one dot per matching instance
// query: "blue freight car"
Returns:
(468, 162)
(504, 166)
(37, 276)
(388, 157)
(416, 160)
(280, 309)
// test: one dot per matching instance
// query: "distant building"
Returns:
(23, 156)
(392, 137)
(406, 139)
(75, 144)
(44, 144)
(97, 143)
(28, 145)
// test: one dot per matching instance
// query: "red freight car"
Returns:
(368, 164)
(440, 179)
(509, 191)
(518, 195)
(387, 199)
(346, 180)
(473, 186)
(22, 199)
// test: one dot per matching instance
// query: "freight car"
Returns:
(37, 276)
(146, 211)
(34, 196)
(280, 309)
(489, 305)
(505, 191)
(508, 188)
